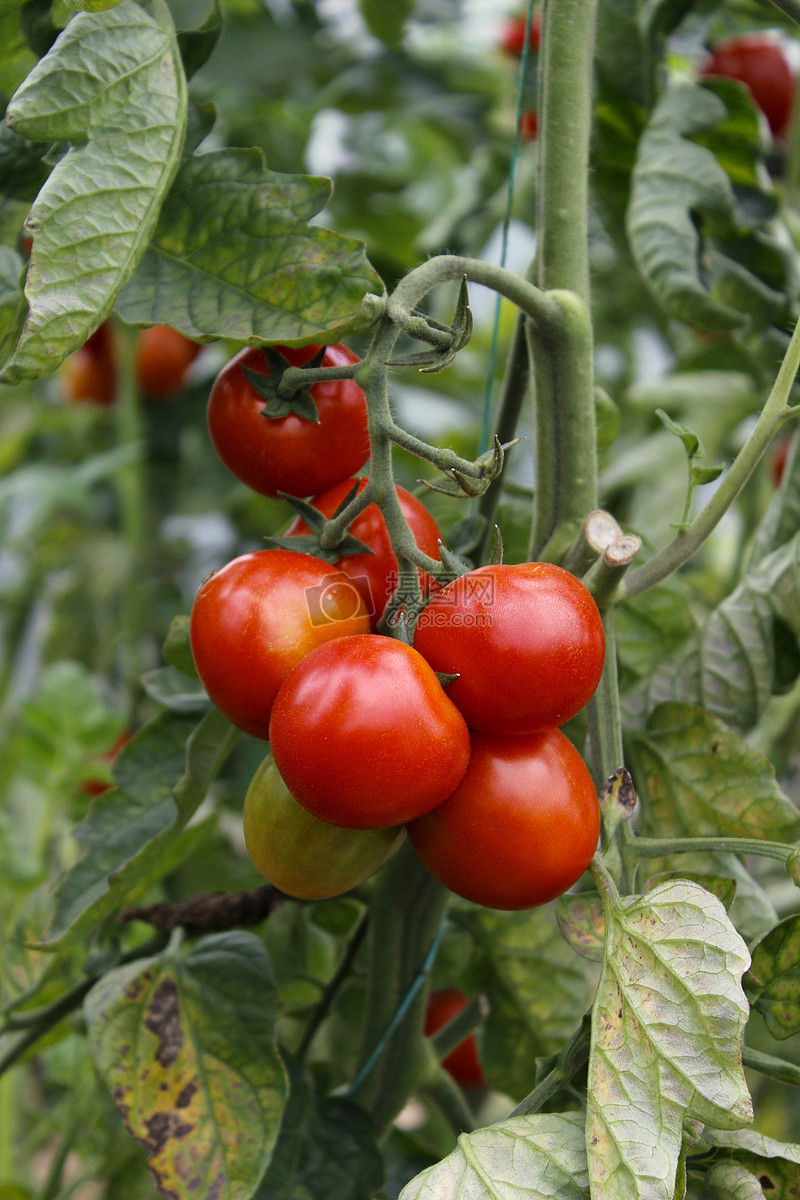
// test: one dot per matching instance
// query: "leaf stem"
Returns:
(574, 1056)
(341, 973)
(686, 542)
(767, 1064)
(642, 847)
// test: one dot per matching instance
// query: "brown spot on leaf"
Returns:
(165, 1191)
(162, 1128)
(186, 1093)
(164, 1021)
(716, 746)
(766, 1182)
(215, 1190)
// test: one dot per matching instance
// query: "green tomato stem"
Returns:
(574, 1056)
(408, 909)
(768, 1064)
(333, 985)
(688, 541)
(641, 847)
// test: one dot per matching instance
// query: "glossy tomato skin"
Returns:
(300, 855)
(375, 575)
(463, 1062)
(526, 641)
(364, 735)
(289, 454)
(520, 828)
(161, 358)
(256, 618)
(760, 64)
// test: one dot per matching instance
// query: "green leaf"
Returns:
(691, 442)
(136, 833)
(17, 57)
(196, 45)
(774, 978)
(172, 689)
(186, 1045)
(667, 1027)
(729, 667)
(113, 87)
(263, 274)
(675, 183)
(542, 1156)
(91, 6)
(775, 1165)
(22, 166)
(582, 924)
(326, 1149)
(12, 300)
(781, 519)
(652, 625)
(386, 21)
(536, 988)
(177, 648)
(696, 777)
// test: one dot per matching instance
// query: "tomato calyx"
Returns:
(315, 542)
(488, 467)
(280, 401)
(427, 329)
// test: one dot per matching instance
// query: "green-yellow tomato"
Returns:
(298, 853)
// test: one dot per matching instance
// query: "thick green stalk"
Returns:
(565, 119)
(408, 906)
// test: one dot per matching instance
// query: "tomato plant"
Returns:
(375, 572)
(290, 453)
(520, 828)
(298, 853)
(256, 618)
(567, 367)
(526, 642)
(463, 1063)
(343, 746)
(162, 357)
(761, 65)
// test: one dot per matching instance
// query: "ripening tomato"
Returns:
(161, 358)
(364, 735)
(512, 35)
(761, 65)
(525, 640)
(520, 828)
(299, 854)
(90, 374)
(463, 1062)
(256, 618)
(289, 454)
(375, 575)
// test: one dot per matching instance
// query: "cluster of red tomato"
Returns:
(162, 357)
(364, 738)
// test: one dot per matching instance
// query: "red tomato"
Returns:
(96, 786)
(288, 454)
(777, 461)
(512, 35)
(760, 63)
(529, 125)
(526, 641)
(162, 357)
(256, 618)
(520, 828)
(463, 1062)
(364, 735)
(90, 373)
(375, 575)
